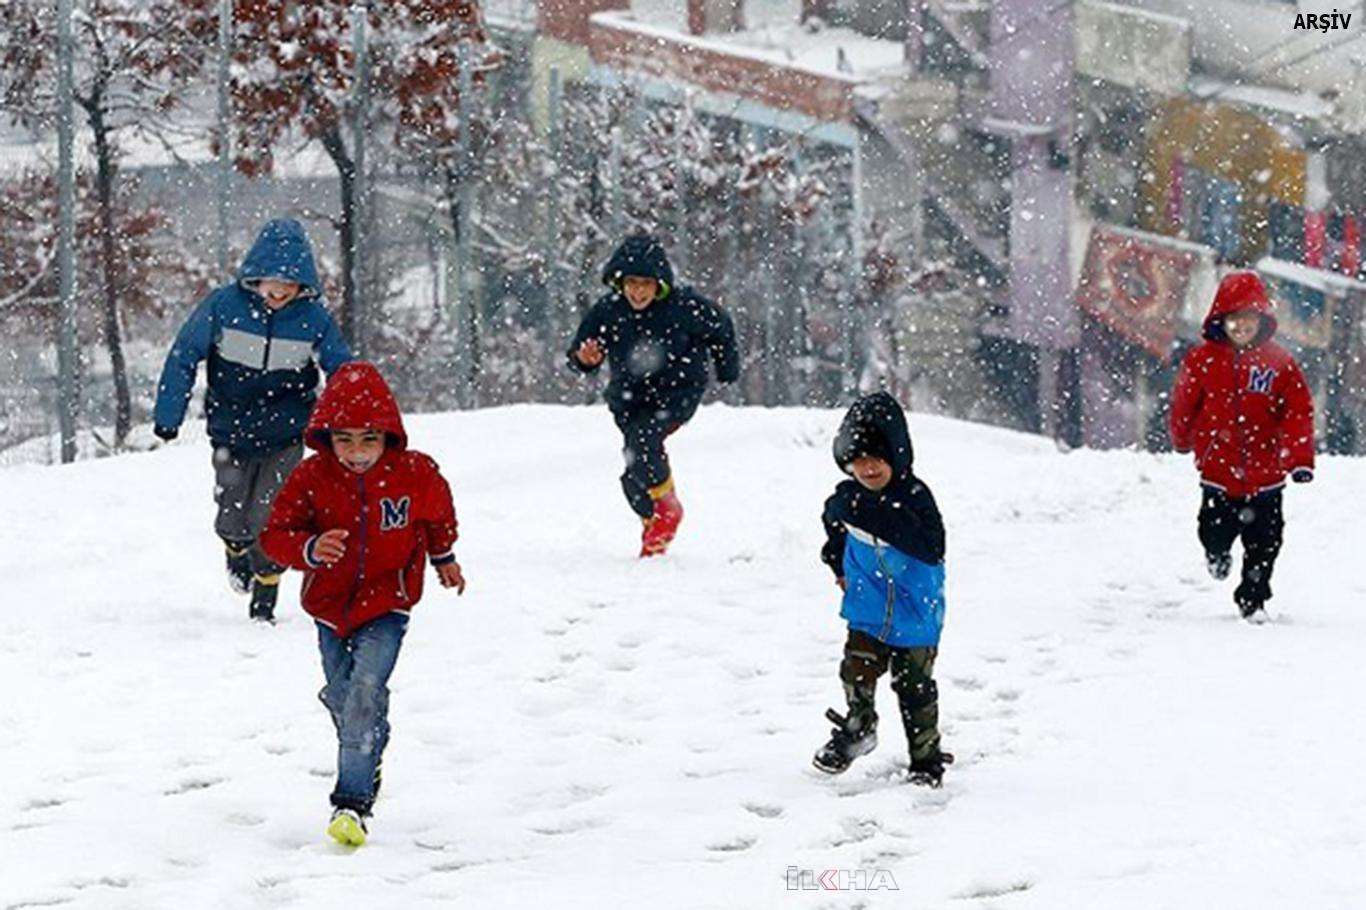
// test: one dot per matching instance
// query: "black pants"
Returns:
(866, 659)
(1257, 520)
(647, 464)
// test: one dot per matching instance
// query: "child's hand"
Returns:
(843, 583)
(590, 353)
(329, 546)
(451, 577)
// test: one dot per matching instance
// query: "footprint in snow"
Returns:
(733, 845)
(191, 784)
(764, 810)
(49, 802)
(570, 826)
(855, 830)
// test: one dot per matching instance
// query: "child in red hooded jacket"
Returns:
(361, 518)
(1241, 404)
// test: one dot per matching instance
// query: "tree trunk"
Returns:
(105, 175)
(346, 175)
(470, 349)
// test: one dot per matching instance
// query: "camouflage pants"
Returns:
(866, 659)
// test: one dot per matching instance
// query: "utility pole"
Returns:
(68, 390)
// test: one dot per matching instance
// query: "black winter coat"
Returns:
(657, 356)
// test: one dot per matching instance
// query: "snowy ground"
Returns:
(583, 730)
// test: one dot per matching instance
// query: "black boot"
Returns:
(264, 590)
(855, 734)
(1254, 611)
(1219, 565)
(239, 566)
(929, 771)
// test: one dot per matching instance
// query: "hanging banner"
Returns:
(1136, 284)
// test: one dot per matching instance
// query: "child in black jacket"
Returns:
(657, 340)
(885, 544)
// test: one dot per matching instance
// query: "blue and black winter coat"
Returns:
(658, 356)
(262, 364)
(887, 545)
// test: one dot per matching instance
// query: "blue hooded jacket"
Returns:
(262, 363)
(888, 545)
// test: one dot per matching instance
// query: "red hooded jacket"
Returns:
(1246, 413)
(398, 513)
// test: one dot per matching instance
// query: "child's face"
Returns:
(640, 292)
(872, 472)
(277, 294)
(359, 449)
(1242, 327)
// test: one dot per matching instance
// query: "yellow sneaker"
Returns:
(347, 828)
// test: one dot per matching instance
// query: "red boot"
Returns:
(661, 527)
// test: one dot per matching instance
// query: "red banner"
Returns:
(1136, 285)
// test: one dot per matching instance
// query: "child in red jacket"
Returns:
(1242, 406)
(360, 518)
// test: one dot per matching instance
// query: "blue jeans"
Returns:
(357, 696)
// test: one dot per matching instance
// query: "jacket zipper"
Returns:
(891, 592)
(360, 556)
(270, 333)
(1238, 417)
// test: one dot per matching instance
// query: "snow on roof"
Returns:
(1318, 279)
(296, 160)
(519, 13)
(1151, 15)
(772, 36)
(1285, 101)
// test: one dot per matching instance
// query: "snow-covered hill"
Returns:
(584, 730)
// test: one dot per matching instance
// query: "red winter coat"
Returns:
(1246, 414)
(399, 512)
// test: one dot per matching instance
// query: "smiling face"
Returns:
(358, 449)
(872, 472)
(640, 291)
(277, 293)
(1242, 327)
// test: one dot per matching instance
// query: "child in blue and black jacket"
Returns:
(264, 336)
(885, 544)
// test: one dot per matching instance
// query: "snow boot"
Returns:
(264, 591)
(661, 527)
(239, 566)
(855, 734)
(1219, 565)
(929, 771)
(347, 827)
(1254, 611)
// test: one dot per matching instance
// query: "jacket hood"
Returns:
(642, 255)
(281, 251)
(1240, 291)
(355, 397)
(875, 425)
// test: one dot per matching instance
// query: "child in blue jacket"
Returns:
(885, 544)
(263, 337)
